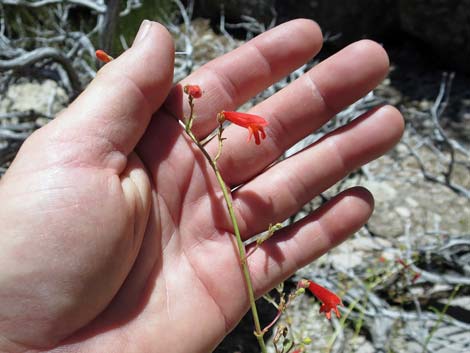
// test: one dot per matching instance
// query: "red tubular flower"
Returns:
(254, 123)
(102, 56)
(193, 90)
(330, 300)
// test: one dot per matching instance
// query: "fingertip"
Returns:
(363, 201)
(150, 61)
(350, 73)
(368, 47)
(310, 32)
(291, 44)
(353, 206)
(387, 124)
(305, 31)
(395, 122)
(154, 35)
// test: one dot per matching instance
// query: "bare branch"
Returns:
(22, 115)
(94, 5)
(41, 54)
(11, 135)
(108, 29)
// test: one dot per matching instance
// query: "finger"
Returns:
(299, 244)
(102, 126)
(303, 107)
(230, 80)
(283, 189)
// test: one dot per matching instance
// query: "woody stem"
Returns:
(259, 333)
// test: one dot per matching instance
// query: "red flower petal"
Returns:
(101, 55)
(254, 123)
(244, 119)
(330, 300)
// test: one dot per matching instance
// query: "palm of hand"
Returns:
(186, 268)
(144, 235)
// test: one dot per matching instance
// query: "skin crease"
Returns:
(114, 237)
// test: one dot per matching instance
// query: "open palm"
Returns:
(115, 235)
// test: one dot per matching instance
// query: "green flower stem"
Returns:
(189, 122)
(241, 248)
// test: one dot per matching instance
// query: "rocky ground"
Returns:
(404, 278)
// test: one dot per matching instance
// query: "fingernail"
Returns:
(143, 30)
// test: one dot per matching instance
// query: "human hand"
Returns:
(114, 234)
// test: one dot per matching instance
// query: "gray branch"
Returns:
(107, 31)
(40, 54)
(94, 5)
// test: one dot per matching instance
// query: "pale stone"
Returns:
(403, 211)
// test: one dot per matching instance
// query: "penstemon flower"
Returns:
(193, 91)
(254, 123)
(330, 300)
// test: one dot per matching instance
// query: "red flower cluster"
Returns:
(254, 123)
(102, 56)
(330, 300)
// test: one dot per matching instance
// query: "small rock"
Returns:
(381, 190)
(346, 261)
(36, 96)
(403, 211)
(411, 202)
(386, 223)
(365, 244)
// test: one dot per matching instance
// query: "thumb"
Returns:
(103, 125)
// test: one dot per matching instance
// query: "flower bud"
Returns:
(102, 56)
(193, 90)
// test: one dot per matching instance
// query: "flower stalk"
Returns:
(259, 333)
